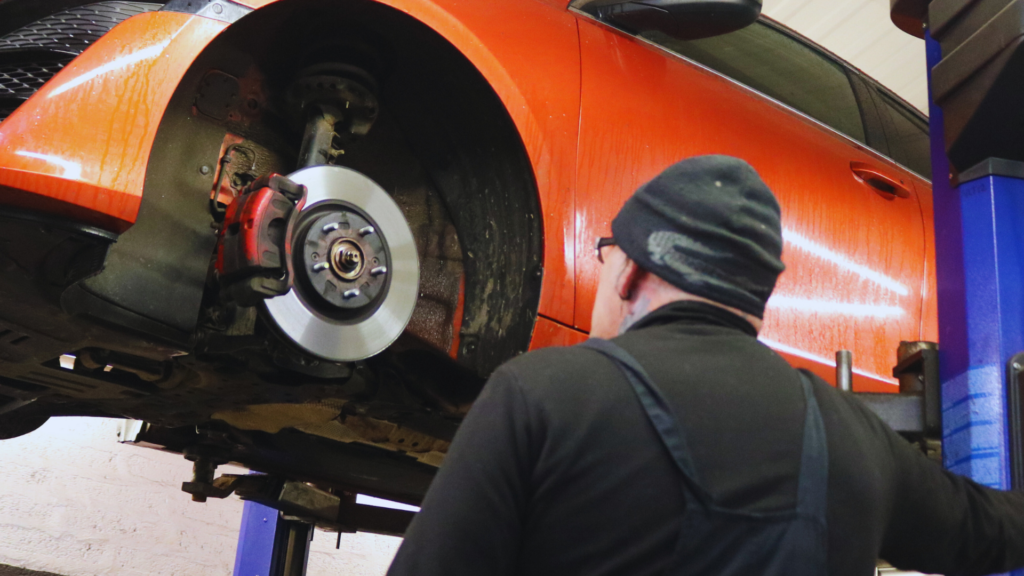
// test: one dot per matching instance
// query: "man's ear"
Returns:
(628, 280)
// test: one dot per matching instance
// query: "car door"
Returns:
(909, 145)
(852, 222)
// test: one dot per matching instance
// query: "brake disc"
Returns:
(356, 272)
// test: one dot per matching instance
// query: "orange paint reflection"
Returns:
(801, 242)
(72, 170)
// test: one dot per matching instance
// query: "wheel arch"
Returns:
(465, 117)
(529, 53)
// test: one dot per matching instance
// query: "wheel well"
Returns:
(460, 132)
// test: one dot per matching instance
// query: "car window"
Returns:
(781, 67)
(908, 137)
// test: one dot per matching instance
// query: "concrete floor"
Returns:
(75, 502)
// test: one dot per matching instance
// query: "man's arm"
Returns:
(472, 515)
(944, 523)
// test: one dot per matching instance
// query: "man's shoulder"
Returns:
(559, 371)
(568, 387)
(554, 363)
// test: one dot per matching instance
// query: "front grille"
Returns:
(7, 107)
(31, 55)
(73, 30)
(22, 80)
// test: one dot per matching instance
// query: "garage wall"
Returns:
(75, 502)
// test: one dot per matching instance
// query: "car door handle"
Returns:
(885, 185)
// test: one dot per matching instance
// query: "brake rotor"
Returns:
(356, 272)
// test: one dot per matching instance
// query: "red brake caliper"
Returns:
(253, 252)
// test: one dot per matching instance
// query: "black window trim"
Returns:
(874, 124)
(850, 70)
(879, 91)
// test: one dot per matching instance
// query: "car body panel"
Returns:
(854, 258)
(930, 299)
(92, 168)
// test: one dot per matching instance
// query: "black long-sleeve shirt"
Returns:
(557, 471)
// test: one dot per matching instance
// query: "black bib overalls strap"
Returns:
(715, 541)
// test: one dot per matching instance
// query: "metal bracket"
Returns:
(223, 10)
(918, 373)
(917, 409)
(313, 505)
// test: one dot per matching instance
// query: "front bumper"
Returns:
(80, 146)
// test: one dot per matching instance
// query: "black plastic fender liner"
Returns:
(40, 257)
(157, 271)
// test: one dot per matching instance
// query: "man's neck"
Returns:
(649, 299)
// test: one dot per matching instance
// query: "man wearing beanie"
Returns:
(673, 442)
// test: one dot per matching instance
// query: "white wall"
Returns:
(74, 501)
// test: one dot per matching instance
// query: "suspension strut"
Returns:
(336, 104)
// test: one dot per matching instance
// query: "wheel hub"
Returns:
(345, 259)
(356, 268)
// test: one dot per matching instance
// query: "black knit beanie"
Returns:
(709, 226)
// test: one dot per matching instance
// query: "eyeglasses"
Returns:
(601, 243)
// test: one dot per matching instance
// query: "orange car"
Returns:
(299, 234)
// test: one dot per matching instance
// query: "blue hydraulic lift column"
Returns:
(979, 246)
(271, 545)
(255, 553)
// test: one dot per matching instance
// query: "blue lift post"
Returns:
(256, 540)
(979, 245)
(269, 545)
(978, 227)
